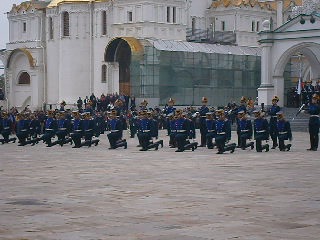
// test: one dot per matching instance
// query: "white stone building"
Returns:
(62, 49)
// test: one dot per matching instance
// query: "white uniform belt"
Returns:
(114, 130)
(283, 132)
(49, 129)
(262, 131)
(221, 133)
(245, 130)
(274, 116)
(6, 128)
(62, 129)
(88, 130)
(211, 130)
(78, 130)
(181, 131)
(314, 116)
(23, 130)
(146, 130)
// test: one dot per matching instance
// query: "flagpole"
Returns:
(300, 79)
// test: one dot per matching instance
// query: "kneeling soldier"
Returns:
(6, 128)
(283, 132)
(223, 133)
(116, 130)
(261, 131)
(245, 130)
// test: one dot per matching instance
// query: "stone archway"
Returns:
(279, 46)
(309, 58)
(118, 56)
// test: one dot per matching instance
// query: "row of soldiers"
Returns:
(181, 128)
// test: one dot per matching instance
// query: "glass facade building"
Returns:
(187, 71)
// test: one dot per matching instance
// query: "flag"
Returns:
(299, 86)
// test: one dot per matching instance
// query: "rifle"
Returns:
(299, 111)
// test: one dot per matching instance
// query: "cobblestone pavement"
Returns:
(95, 193)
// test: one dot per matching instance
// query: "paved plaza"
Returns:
(61, 193)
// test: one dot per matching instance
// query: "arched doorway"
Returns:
(283, 50)
(300, 63)
(122, 51)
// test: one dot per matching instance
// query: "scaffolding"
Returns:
(188, 71)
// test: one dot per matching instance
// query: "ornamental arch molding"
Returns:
(310, 50)
(17, 51)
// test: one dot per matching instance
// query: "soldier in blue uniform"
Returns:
(116, 132)
(182, 131)
(88, 130)
(283, 132)
(172, 117)
(314, 122)
(203, 128)
(261, 131)
(34, 127)
(223, 133)
(243, 104)
(273, 121)
(22, 128)
(211, 129)
(145, 133)
(77, 130)
(6, 128)
(63, 129)
(50, 129)
(245, 130)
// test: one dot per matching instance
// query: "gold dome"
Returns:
(253, 3)
(55, 3)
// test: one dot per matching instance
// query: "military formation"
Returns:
(254, 128)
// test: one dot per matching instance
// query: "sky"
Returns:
(5, 6)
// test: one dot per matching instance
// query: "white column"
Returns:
(113, 77)
(266, 89)
(278, 89)
(279, 13)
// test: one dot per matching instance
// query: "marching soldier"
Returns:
(273, 121)
(245, 130)
(283, 132)
(314, 122)
(116, 131)
(223, 133)
(261, 131)
(203, 128)
(211, 129)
